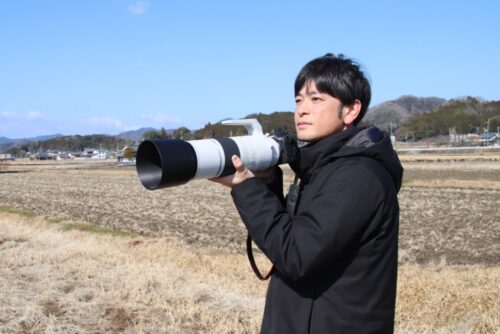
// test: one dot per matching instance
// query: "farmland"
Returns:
(449, 250)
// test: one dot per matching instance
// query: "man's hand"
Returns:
(241, 174)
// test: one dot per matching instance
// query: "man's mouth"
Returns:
(301, 125)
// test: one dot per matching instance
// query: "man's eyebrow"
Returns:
(308, 93)
(311, 92)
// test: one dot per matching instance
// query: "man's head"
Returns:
(332, 93)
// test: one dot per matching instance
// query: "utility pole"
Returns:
(486, 132)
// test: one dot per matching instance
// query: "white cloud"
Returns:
(24, 124)
(106, 122)
(7, 114)
(139, 7)
(31, 115)
(161, 119)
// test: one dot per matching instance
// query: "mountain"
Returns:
(278, 121)
(8, 143)
(79, 143)
(134, 135)
(4, 140)
(398, 111)
(417, 117)
(42, 138)
(462, 116)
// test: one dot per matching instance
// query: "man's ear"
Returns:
(351, 112)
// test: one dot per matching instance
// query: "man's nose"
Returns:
(302, 109)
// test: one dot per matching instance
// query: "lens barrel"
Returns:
(169, 163)
(165, 163)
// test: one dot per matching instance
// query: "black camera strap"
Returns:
(292, 199)
(253, 264)
(293, 196)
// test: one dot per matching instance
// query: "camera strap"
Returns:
(253, 264)
(292, 199)
(293, 196)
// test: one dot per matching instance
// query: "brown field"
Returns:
(181, 268)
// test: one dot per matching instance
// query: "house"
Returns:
(490, 138)
(88, 152)
(7, 156)
(43, 156)
(101, 154)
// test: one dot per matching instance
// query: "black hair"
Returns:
(339, 77)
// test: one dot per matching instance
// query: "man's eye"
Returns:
(316, 99)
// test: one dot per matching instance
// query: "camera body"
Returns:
(172, 162)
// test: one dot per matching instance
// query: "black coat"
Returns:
(335, 259)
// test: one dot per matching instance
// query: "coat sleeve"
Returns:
(328, 225)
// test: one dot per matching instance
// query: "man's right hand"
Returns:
(242, 174)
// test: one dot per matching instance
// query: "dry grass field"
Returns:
(85, 248)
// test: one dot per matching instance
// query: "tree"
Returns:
(182, 133)
(17, 151)
(129, 153)
(163, 134)
(151, 134)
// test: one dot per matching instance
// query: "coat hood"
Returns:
(354, 141)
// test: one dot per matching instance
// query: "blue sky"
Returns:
(107, 66)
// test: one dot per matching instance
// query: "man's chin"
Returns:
(302, 135)
(306, 137)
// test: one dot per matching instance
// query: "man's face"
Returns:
(317, 115)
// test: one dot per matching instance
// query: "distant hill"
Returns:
(4, 140)
(280, 120)
(468, 115)
(410, 116)
(47, 137)
(400, 110)
(7, 143)
(134, 135)
(78, 143)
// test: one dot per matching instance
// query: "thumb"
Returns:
(238, 164)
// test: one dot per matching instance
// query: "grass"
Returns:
(455, 183)
(448, 299)
(67, 266)
(78, 280)
(66, 226)
(20, 212)
(96, 229)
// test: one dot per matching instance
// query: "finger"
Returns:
(238, 164)
(225, 180)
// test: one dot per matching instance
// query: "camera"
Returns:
(173, 162)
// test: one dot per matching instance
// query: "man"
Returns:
(334, 250)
